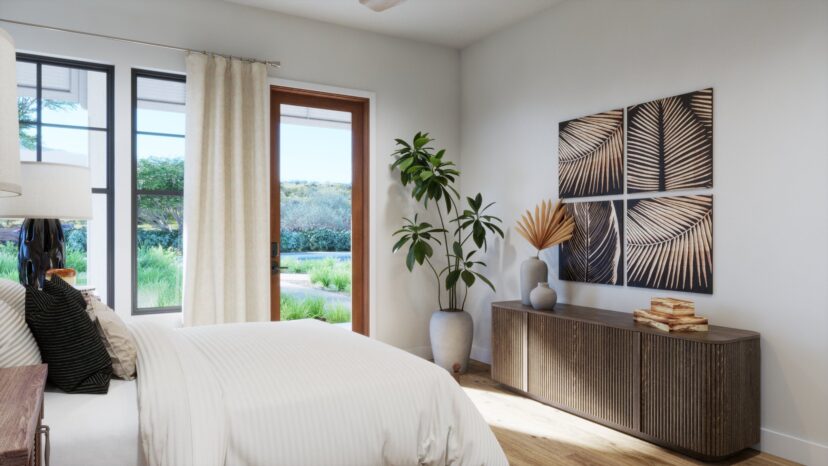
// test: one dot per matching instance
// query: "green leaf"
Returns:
(409, 259)
(478, 234)
(457, 248)
(451, 279)
(485, 280)
(400, 243)
(421, 141)
(468, 277)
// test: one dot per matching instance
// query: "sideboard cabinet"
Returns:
(696, 392)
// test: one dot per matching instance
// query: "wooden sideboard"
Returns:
(695, 392)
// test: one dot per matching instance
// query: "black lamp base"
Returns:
(41, 247)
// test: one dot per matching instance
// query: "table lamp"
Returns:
(51, 191)
(9, 131)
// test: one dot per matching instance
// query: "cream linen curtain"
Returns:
(226, 193)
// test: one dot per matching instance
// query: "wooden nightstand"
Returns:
(21, 413)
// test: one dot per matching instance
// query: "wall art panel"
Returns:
(595, 252)
(670, 143)
(591, 155)
(670, 243)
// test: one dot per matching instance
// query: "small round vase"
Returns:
(532, 272)
(543, 297)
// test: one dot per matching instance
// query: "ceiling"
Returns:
(454, 23)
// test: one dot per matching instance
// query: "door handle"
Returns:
(275, 268)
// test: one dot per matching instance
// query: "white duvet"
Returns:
(299, 393)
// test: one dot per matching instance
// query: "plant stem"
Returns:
(452, 297)
(439, 287)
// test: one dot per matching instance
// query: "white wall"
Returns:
(768, 63)
(416, 88)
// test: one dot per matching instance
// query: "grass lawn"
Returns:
(293, 308)
(328, 273)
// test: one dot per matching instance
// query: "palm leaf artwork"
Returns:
(670, 143)
(670, 243)
(594, 253)
(591, 155)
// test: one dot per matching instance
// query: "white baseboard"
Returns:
(793, 448)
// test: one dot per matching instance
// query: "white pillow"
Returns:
(117, 339)
(17, 345)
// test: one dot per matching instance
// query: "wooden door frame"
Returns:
(360, 178)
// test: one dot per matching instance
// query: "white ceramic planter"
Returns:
(451, 339)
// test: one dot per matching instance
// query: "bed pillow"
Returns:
(57, 286)
(117, 339)
(17, 345)
(68, 340)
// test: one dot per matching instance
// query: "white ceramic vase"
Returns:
(532, 272)
(451, 335)
(543, 297)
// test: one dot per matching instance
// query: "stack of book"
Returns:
(671, 315)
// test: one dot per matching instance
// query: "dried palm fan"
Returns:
(550, 225)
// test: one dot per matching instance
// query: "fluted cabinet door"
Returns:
(700, 397)
(509, 347)
(591, 370)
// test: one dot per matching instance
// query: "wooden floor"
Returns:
(532, 433)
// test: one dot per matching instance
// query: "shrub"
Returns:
(8, 261)
(308, 206)
(74, 238)
(318, 239)
(76, 259)
(341, 280)
(159, 277)
(293, 308)
(165, 239)
(322, 276)
(338, 313)
(294, 241)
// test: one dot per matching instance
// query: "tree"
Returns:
(27, 115)
(163, 212)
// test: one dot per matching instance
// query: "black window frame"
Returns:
(150, 74)
(109, 191)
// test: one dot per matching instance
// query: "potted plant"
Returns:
(459, 235)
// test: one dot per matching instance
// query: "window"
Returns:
(158, 188)
(65, 112)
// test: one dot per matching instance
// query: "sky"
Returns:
(308, 152)
(315, 153)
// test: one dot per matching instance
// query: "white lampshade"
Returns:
(9, 132)
(51, 190)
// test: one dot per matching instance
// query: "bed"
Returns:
(299, 392)
(94, 429)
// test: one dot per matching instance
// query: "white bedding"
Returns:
(300, 392)
(94, 430)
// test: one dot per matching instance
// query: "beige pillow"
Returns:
(116, 338)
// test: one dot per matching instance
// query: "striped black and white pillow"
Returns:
(68, 340)
(17, 345)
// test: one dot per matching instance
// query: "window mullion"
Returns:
(38, 97)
